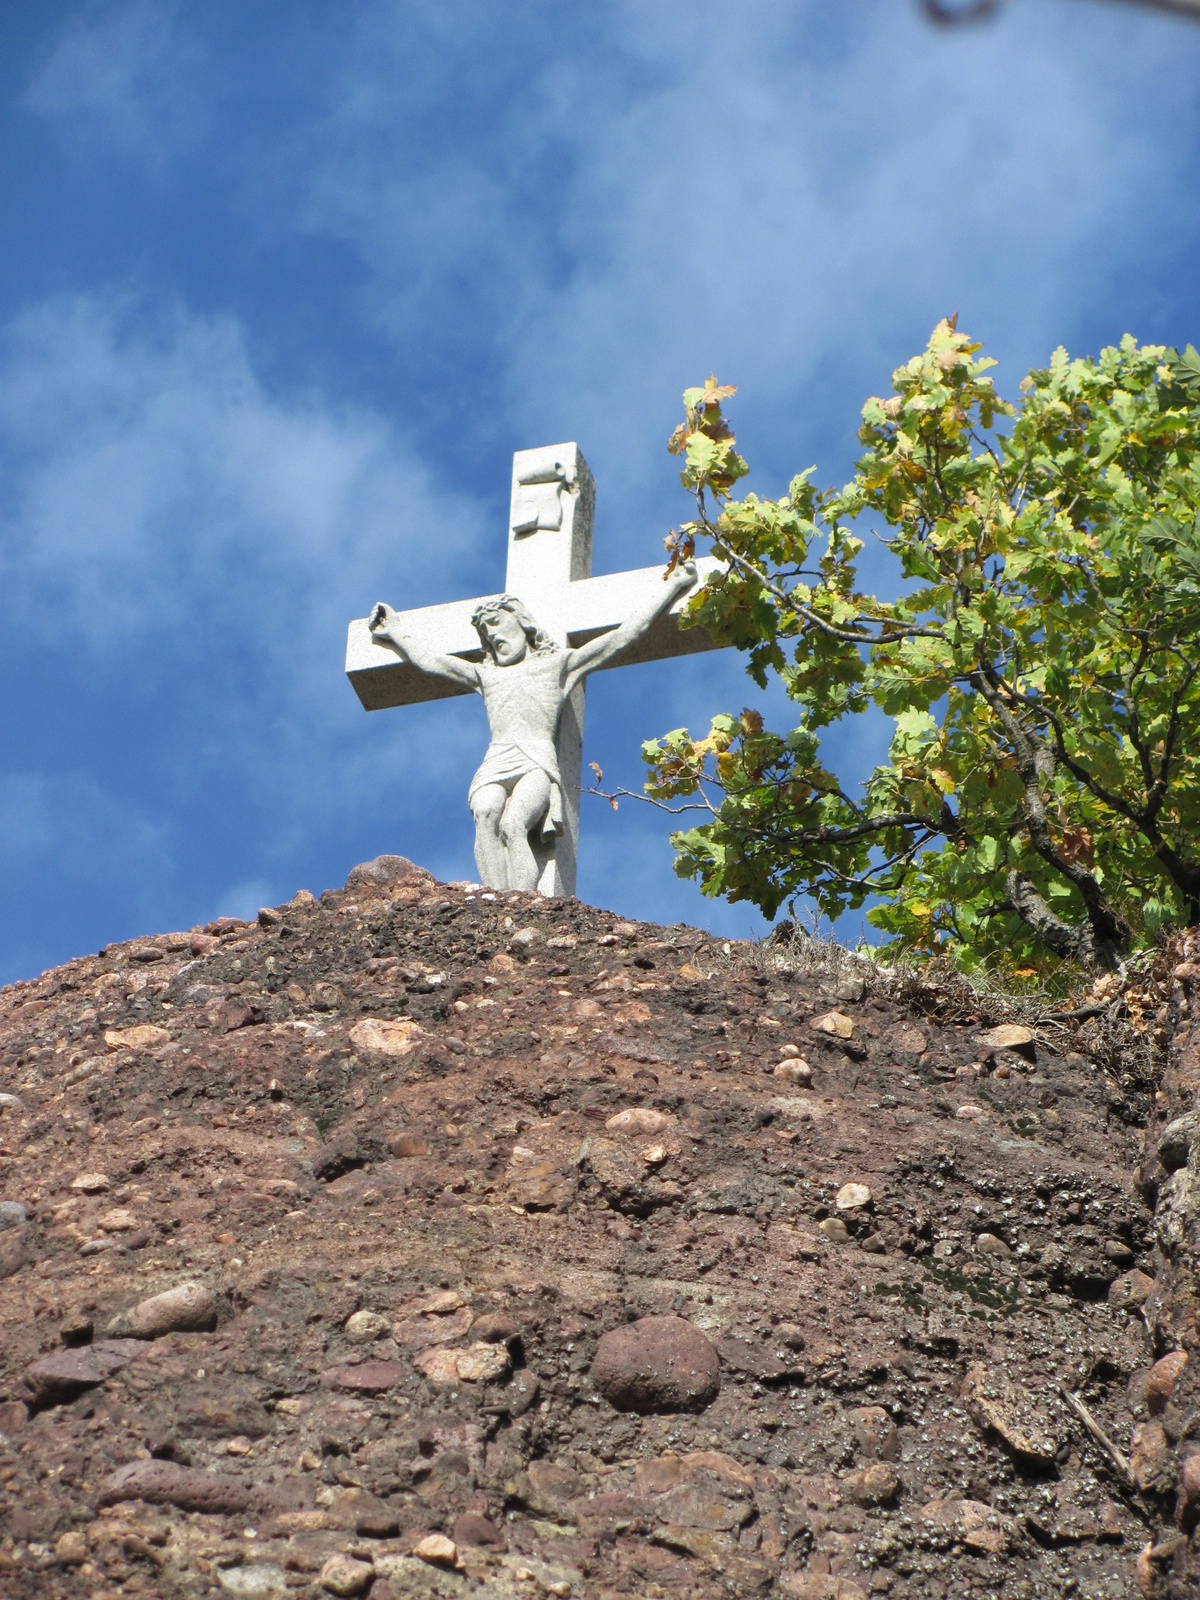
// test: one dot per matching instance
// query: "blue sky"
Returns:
(284, 284)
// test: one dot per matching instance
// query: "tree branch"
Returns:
(1077, 943)
(814, 619)
(1035, 765)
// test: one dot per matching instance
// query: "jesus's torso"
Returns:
(523, 700)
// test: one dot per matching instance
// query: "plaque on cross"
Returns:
(527, 652)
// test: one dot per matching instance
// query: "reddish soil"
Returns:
(413, 1256)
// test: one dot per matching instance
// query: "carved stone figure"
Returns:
(525, 680)
(530, 674)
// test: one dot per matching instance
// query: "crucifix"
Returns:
(527, 652)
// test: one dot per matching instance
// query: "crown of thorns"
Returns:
(538, 640)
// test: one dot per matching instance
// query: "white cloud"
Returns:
(153, 486)
(183, 549)
(125, 74)
(791, 197)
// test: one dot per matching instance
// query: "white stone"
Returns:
(437, 1550)
(257, 1578)
(364, 1327)
(91, 1182)
(344, 1575)
(386, 1036)
(639, 1119)
(527, 653)
(185, 1308)
(794, 1069)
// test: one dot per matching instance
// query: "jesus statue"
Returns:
(525, 680)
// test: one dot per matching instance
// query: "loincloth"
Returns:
(506, 763)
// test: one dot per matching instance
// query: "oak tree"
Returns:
(1040, 801)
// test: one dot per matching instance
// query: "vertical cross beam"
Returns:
(550, 547)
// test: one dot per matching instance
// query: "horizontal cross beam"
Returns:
(593, 606)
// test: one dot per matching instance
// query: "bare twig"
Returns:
(1099, 1435)
(1080, 1014)
(947, 14)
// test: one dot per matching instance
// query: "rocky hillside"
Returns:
(421, 1241)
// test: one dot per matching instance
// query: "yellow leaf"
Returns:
(718, 391)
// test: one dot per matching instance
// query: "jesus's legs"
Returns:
(526, 808)
(491, 859)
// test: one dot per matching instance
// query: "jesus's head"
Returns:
(507, 631)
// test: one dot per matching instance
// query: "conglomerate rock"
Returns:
(402, 1158)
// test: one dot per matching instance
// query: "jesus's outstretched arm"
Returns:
(387, 628)
(599, 651)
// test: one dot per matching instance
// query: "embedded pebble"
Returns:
(1131, 1290)
(996, 1405)
(406, 1144)
(657, 1364)
(853, 1196)
(386, 1036)
(66, 1373)
(794, 1070)
(71, 1549)
(481, 1363)
(1009, 1036)
(990, 1244)
(834, 1023)
(1189, 1480)
(164, 1483)
(364, 1327)
(1150, 1464)
(187, 1308)
(876, 1433)
(343, 1575)
(1163, 1376)
(875, 1485)
(119, 1220)
(145, 1036)
(639, 1119)
(92, 1182)
(494, 1327)
(370, 1377)
(473, 1528)
(437, 1550)
(12, 1214)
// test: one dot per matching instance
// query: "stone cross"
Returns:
(549, 572)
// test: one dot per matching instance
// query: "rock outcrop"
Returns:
(426, 1241)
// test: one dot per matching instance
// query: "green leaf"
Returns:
(1050, 591)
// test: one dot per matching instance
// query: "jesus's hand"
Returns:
(381, 619)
